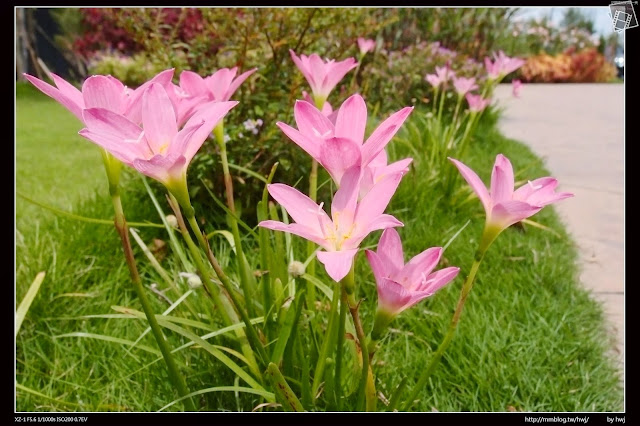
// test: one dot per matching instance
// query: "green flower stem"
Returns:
(441, 106)
(123, 230)
(366, 388)
(243, 269)
(222, 304)
(435, 99)
(347, 282)
(254, 339)
(488, 236)
(355, 73)
(327, 344)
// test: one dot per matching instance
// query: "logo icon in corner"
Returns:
(622, 15)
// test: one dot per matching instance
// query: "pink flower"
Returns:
(401, 286)
(351, 221)
(219, 86)
(365, 45)
(99, 91)
(157, 149)
(476, 102)
(503, 205)
(322, 76)
(464, 85)
(194, 90)
(340, 146)
(442, 75)
(502, 65)
(517, 86)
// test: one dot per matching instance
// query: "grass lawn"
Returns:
(530, 338)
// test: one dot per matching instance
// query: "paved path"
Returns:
(578, 129)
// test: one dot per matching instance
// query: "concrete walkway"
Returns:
(578, 129)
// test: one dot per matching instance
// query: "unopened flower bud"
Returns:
(296, 268)
(172, 220)
(193, 280)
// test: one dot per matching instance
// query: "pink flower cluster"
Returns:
(366, 183)
(158, 127)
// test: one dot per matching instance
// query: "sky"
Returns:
(599, 15)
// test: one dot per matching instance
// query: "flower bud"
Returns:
(172, 220)
(296, 268)
(193, 280)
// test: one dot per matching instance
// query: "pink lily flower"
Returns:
(157, 149)
(351, 221)
(365, 45)
(503, 205)
(219, 86)
(464, 85)
(441, 76)
(433, 80)
(502, 65)
(340, 146)
(476, 102)
(99, 91)
(322, 76)
(401, 286)
(517, 86)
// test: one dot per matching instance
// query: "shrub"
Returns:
(584, 66)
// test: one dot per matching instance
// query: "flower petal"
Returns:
(160, 168)
(508, 212)
(100, 120)
(309, 145)
(100, 91)
(392, 296)
(158, 118)
(383, 134)
(296, 229)
(376, 200)
(209, 115)
(501, 180)
(383, 221)
(437, 280)
(351, 120)
(134, 105)
(63, 99)
(336, 72)
(346, 198)
(237, 82)
(475, 182)
(420, 266)
(378, 266)
(193, 83)
(311, 122)
(337, 263)
(337, 155)
(220, 81)
(114, 145)
(300, 207)
(390, 251)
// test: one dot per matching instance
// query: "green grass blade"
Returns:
(83, 218)
(109, 339)
(212, 349)
(227, 235)
(226, 209)
(22, 310)
(321, 286)
(248, 171)
(266, 395)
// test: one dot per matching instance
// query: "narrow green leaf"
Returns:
(248, 171)
(22, 310)
(283, 392)
(83, 218)
(227, 235)
(266, 395)
(109, 339)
